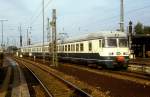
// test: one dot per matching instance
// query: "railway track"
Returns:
(134, 74)
(140, 65)
(48, 93)
(17, 84)
(114, 83)
(58, 86)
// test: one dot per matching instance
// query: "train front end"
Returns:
(116, 52)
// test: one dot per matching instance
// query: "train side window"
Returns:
(62, 48)
(68, 47)
(90, 46)
(73, 48)
(65, 47)
(57, 48)
(77, 47)
(100, 43)
(81, 47)
(103, 43)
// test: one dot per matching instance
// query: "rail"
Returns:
(44, 87)
(83, 93)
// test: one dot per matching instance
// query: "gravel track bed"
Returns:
(110, 85)
(88, 88)
(113, 86)
(56, 87)
(35, 88)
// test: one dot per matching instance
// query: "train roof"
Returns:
(97, 35)
(36, 44)
(91, 36)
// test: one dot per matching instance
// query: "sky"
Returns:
(74, 17)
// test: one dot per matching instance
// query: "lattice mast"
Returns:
(54, 39)
(122, 16)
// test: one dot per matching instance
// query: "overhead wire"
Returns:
(106, 20)
(40, 13)
(34, 14)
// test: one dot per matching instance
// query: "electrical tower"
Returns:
(54, 38)
(122, 16)
(20, 30)
(43, 50)
(27, 36)
(2, 44)
(29, 39)
(48, 31)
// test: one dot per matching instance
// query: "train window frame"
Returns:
(81, 47)
(77, 47)
(103, 43)
(113, 44)
(125, 40)
(90, 46)
(73, 47)
(65, 47)
(61, 48)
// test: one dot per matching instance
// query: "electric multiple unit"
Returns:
(107, 49)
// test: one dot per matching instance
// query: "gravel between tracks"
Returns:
(56, 88)
(110, 84)
(94, 91)
(117, 86)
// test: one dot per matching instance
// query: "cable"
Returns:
(45, 6)
(115, 17)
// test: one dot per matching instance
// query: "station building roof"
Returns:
(141, 39)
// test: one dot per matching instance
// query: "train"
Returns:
(108, 49)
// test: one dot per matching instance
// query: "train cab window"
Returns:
(90, 46)
(100, 43)
(65, 47)
(81, 47)
(77, 47)
(68, 47)
(112, 42)
(123, 42)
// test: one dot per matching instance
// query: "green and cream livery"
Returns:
(107, 49)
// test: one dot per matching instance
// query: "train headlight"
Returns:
(125, 53)
(111, 53)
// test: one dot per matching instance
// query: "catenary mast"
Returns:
(122, 15)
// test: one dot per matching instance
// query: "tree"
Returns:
(146, 30)
(139, 28)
